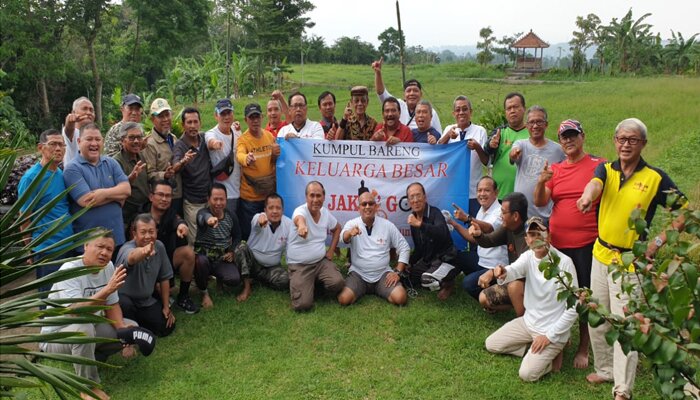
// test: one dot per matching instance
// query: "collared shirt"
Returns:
(489, 257)
(142, 277)
(503, 170)
(139, 187)
(268, 245)
(112, 144)
(432, 241)
(477, 133)
(402, 132)
(311, 249)
(327, 124)
(158, 155)
(196, 177)
(355, 130)
(310, 130)
(275, 128)
(407, 118)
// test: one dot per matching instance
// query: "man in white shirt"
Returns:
(222, 141)
(260, 257)
(81, 114)
(307, 257)
(412, 94)
(489, 218)
(300, 126)
(547, 321)
(475, 137)
(371, 238)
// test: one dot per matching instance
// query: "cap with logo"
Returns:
(159, 105)
(252, 109)
(142, 337)
(535, 223)
(570, 126)
(223, 105)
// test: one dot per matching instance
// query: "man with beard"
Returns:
(392, 131)
(131, 162)
(276, 108)
(132, 110)
(371, 238)
(191, 160)
(300, 126)
(326, 104)
(424, 132)
(81, 114)
(501, 141)
(158, 153)
(356, 124)
(100, 183)
(222, 141)
(412, 94)
(147, 264)
(172, 232)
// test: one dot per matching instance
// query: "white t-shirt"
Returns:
(489, 257)
(312, 249)
(405, 117)
(83, 286)
(544, 314)
(370, 253)
(233, 182)
(477, 133)
(268, 246)
(310, 130)
(72, 149)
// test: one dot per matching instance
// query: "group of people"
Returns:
(205, 204)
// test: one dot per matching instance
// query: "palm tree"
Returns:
(624, 40)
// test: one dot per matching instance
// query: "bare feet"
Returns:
(557, 362)
(620, 397)
(101, 395)
(446, 291)
(581, 359)
(129, 351)
(596, 379)
(245, 294)
(206, 301)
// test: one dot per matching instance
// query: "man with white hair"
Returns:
(81, 114)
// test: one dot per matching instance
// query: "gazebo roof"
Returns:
(530, 41)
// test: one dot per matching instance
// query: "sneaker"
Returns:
(429, 282)
(187, 305)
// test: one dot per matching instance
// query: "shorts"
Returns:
(361, 287)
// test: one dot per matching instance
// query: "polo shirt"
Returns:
(88, 177)
(267, 246)
(196, 175)
(312, 249)
(370, 252)
(274, 129)
(53, 181)
(422, 137)
(503, 170)
(645, 188)
(141, 278)
(407, 117)
(478, 133)
(403, 133)
(310, 130)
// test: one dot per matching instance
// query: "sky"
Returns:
(433, 23)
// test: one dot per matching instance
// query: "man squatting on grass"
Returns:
(547, 322)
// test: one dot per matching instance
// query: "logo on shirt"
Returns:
(641, 187)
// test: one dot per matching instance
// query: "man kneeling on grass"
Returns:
(261, 256)
(147, 264)
(547, 322)
(99, 288)
(371, 238)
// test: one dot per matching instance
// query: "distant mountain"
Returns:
(552, 51)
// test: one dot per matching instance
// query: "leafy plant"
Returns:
(490, 114)
(20, 304)
(662, 321)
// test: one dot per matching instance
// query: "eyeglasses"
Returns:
(538, 122)
(134, 138)
(368, 203)
(163, 195)
(54, 144)
(569, 138)
(297, 106)
(631, 140)
(505, 211)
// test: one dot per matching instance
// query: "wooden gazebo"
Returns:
(522, 60)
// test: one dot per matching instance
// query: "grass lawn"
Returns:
(429, 349)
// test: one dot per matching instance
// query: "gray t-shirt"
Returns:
(141, 278)
(530, 166)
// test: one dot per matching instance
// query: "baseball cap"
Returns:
(142, 337)
(251, 109)
(570, 125)
(223, 105)
(359, 91)
(535, 223)
(130, 99)
(159, 105)
(412, 82)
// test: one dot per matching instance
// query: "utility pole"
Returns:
(401, 44)
(228, 54)
(301, 49)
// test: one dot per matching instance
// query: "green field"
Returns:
(429, 349)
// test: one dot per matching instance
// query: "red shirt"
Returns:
(404, 133)
(275, 129)
(568, 227)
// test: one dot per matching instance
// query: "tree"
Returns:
(506, 49)
(353, 51)
(678, 52)
(585, 37)
(485, 56)
(390, 45)
(627, 43)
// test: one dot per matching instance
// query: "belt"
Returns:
(611, 247)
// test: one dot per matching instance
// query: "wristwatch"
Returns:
(658, 241)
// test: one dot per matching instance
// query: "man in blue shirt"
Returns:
(52, 149)
(99, 182)
(424, 132)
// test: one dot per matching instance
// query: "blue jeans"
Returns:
(246, 212)
(468, 262)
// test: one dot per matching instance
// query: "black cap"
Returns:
(130, 99)
(223, 105)
(412, 82)
(251, 109)
(142, 337)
